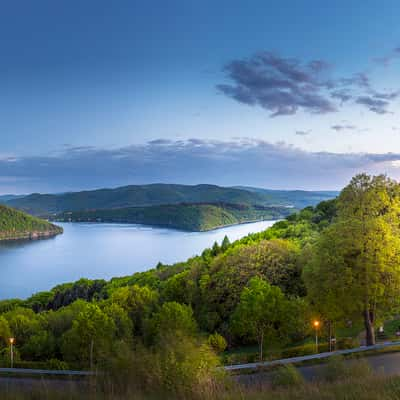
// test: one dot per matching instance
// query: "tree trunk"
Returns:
(369, 327)
(261, 345)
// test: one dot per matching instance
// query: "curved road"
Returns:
(387, 364)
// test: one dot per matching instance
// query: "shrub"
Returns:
(177, 367)
(57, 365)
(304, 350)
(286, 375)
(217, 342)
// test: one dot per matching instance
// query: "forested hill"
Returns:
(296, 198)
(16, 224)
(188, 217)
(134, 196)
(158, 194)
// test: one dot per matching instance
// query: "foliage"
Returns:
(217, 342)
(158, 194)
(286, 375)
(90, 338)
(354, 270)
(174, 319)
(231, 295)
(201, 293)
(263, 313)
(16, 224)
(189, 217)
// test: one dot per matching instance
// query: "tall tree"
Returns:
(263, 312)
(355, 267)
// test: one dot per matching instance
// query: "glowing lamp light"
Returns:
(12, 340)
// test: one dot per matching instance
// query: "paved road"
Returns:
(319, 356)
(23, 384)
(388, 364)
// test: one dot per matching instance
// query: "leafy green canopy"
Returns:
(354, 270)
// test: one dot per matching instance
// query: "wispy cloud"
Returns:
(303, 133)
(345, 127)
(243, 161)
(387, 59)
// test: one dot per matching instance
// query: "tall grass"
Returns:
(371, 388)
(352, 381)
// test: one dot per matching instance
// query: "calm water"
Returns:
(101, 251)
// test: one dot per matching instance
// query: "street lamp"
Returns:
(12, 340)
(316, 324)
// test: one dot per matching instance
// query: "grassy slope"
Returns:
(16, 224)
(134, 196)
(190, 217)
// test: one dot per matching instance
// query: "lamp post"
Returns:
(12, 340)
(316, 326)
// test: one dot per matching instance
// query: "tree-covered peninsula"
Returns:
(16, 225)
(188, 217)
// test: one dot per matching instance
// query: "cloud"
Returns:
(280, 85)
(342, 95)
(374, 104)
(339, 127)
(303, 133)
(243, 161)
(388, 58)
(359, 79)
(285, 86)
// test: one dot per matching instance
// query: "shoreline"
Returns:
(35, 235)
(169, 227)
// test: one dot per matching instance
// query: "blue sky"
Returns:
(279, 94)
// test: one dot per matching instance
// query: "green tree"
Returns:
(139, 302)
(355, 267)
(91, 336)
(124, 325)
(5, 331)
(225, 244)
(215, 250)
(174, 319)
(262, 313)
(274, 260)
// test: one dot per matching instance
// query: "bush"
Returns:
(57, 365)
(177, 367)
(347, 343)
(217, 342)
(286, 375)
(304, 350)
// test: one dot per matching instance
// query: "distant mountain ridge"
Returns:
(162, 194)
(134, 196)
(296, 198)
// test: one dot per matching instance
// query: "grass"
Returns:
(370, 387)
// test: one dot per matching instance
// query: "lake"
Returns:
(101, 251)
